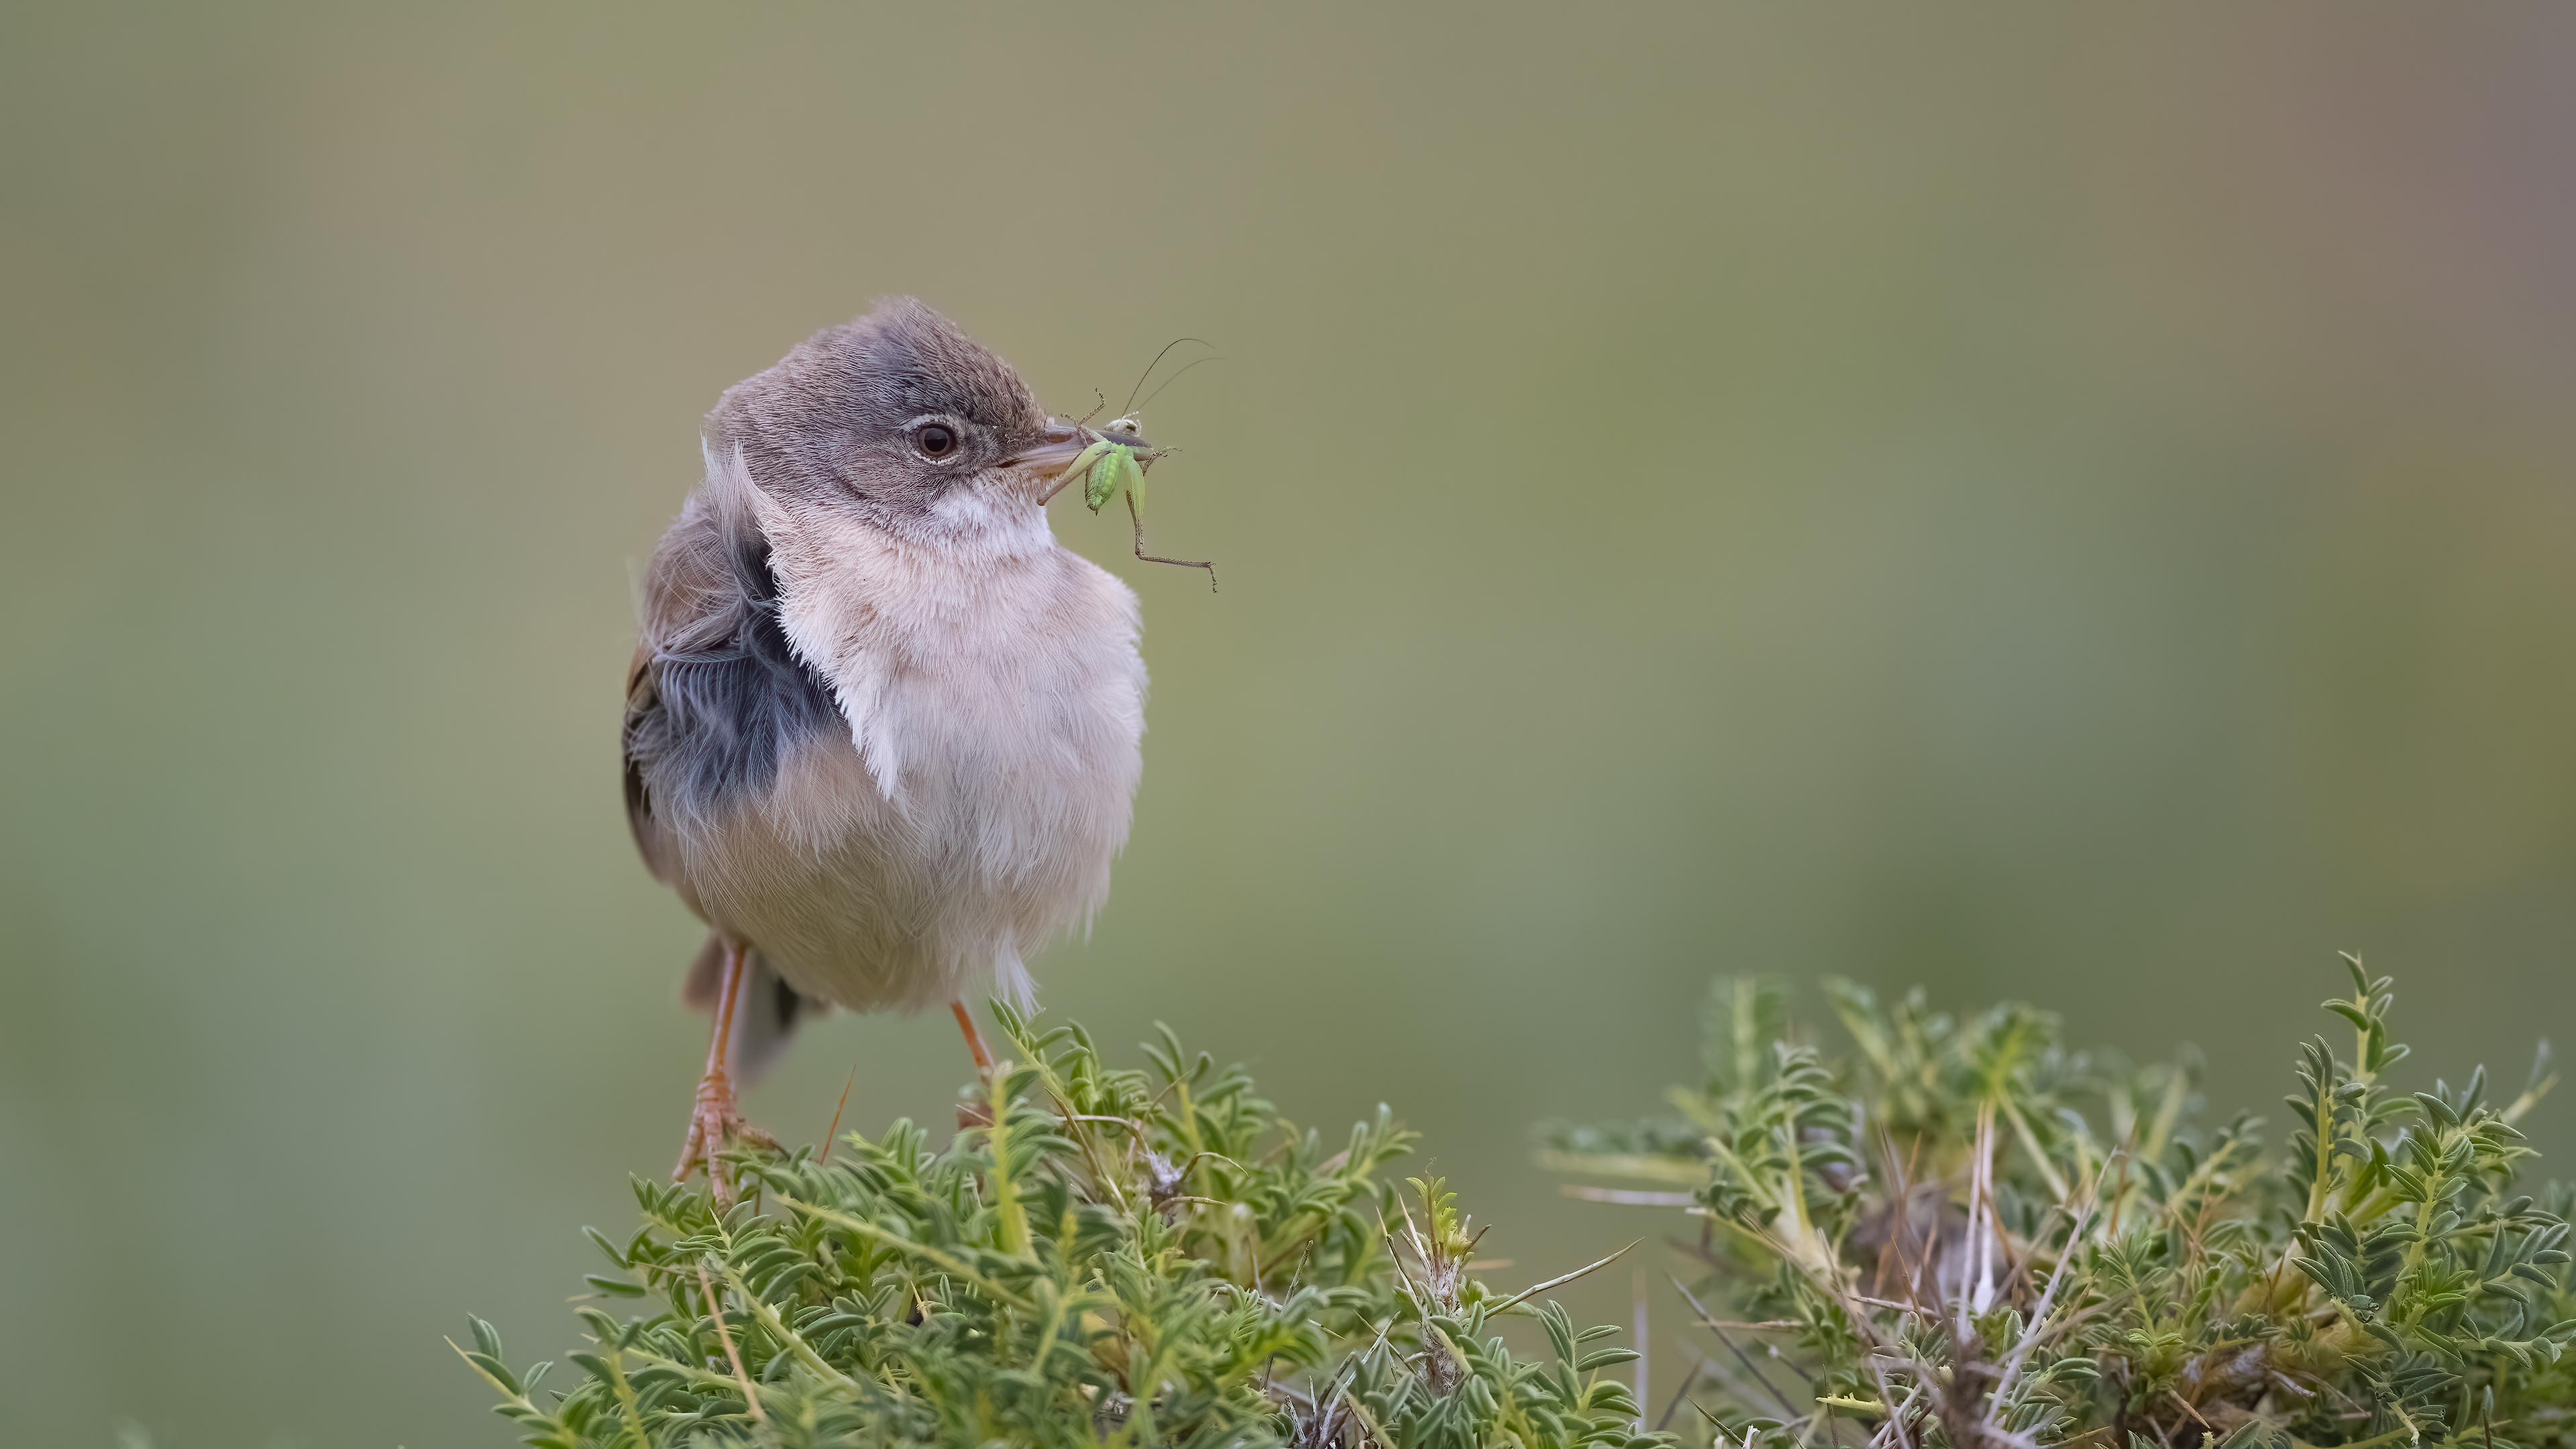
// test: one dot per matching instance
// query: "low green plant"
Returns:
(1960, 1234)
(1145, 1257)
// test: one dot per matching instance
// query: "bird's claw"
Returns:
(715, 1123)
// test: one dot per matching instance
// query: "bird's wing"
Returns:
(653, 838)
(716, 694)
(688, 603)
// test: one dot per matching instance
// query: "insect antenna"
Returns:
(1129, 406)
(1167, 382)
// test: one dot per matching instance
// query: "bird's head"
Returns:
(898, 420)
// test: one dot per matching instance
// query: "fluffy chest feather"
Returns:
(993, 670)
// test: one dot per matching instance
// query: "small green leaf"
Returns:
(600, 1240)
(499, 1371)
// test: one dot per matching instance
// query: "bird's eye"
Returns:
(935, 440)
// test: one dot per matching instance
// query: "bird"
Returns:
(882, 730)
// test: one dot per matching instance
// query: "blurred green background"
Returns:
(2062, 502)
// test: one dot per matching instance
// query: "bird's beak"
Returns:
(1059, 445)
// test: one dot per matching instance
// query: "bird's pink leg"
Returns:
(716, 1120)
(974, 1039)
(972, 1113)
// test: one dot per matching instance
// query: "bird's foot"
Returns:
(716, 1122)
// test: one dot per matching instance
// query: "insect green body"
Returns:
(1110, 464)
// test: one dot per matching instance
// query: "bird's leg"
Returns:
(974, 1039)
(974, 1114)
(716, 1120)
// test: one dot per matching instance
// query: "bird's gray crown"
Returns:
(882, 414)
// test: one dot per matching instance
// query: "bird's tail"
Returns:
(764, 1017)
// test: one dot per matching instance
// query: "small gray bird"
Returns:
(882, 730)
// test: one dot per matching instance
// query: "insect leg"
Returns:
(1080, 465)
(1138, 514)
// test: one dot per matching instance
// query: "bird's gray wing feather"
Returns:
(653, 839)
(718, 693)
(715, 696)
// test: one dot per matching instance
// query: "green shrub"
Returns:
(1140, 1257)
(1958, 1235)
(1962, 1235)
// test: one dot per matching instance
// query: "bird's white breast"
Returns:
(995, 700)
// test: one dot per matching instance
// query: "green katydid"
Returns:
(1116, 459)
